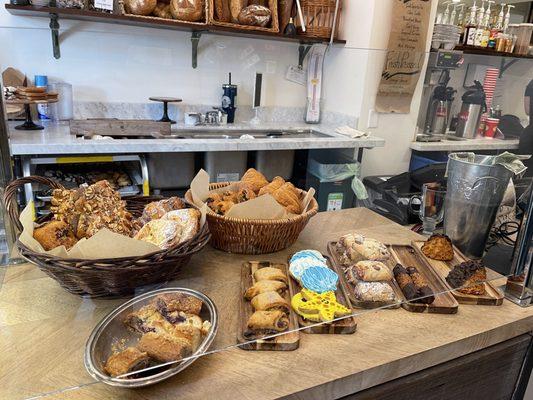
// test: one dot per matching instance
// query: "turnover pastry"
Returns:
(438, 247)
(54, 234)
(188, 219)
(270, 301)
(288, 197)
(157, 209)
(355, 247)
(374, 292)
(254, 179)
(469, 277)
(164, 233)
(270, 274)
(263, 287)
(129, 360)
(276, 183)
(266, 322)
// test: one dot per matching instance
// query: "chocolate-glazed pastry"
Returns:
(425, 293)
(405, 282)
(469, 276)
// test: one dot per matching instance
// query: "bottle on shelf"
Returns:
(479, 25)
(497, 29)
(470, 27)
(507, 18)
(486, 26)
(461, 21)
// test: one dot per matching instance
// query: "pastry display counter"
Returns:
(43, 331)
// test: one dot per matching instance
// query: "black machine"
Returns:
(389, 196)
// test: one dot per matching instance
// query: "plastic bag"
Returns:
(339, 172)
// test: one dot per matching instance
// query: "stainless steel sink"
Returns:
(237, 133)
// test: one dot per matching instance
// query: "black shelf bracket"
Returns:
(303, 50)
(195, 40)
(54, 29)
(505, 66)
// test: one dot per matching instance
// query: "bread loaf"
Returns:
(140, 7)
(255, 15)
(187, 10)
(162, 10)
(222, 10)
(235, 7)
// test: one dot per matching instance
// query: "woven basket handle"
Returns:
(10, 195)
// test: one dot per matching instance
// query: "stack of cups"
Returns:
(489, 86)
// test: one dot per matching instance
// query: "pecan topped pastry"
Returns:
(438, 247)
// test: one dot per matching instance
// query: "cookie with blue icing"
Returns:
(314, 254)
(298, 266)
(319, 279)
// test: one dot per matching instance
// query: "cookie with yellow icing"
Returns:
(318, 306)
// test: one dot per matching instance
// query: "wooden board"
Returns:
(492, 297)
(444, 302)
(118, 127)
(286, 342)
(344, 326)
(349, 287)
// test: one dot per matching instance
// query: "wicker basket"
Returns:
(274, 25)
(319, 17)
(167, 21)
(114, 277)
(255, 236)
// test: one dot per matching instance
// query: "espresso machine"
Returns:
(437, 96)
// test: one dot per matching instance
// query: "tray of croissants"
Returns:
(92, 221)
(151, 337)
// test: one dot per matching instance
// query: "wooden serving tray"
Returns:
(344, 326)
(492, 297)
(444, 302)
(285, 342)
(349, 287)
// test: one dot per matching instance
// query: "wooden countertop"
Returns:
(43, 330)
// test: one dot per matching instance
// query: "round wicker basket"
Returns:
(112, 277)
(255, 236)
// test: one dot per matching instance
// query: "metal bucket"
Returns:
(473, 197)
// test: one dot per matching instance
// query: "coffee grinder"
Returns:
(229, 98)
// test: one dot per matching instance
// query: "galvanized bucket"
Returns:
(475, 191)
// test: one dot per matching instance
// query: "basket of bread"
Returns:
(95, 244)
(253, 215)
(255, 15)
(189, 11)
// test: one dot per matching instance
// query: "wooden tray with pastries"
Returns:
(443, 302)
(261, 283)
(485, 292)
(342, 324)
(350, 286)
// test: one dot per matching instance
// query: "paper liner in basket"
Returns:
(104, 244)
(262, 207)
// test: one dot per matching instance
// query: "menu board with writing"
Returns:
(405, 55)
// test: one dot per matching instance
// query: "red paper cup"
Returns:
(490, 127)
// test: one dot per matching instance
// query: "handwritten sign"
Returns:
(405, 55)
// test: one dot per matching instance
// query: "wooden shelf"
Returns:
(95, 16)
(489, 52)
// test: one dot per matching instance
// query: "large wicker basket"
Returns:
(255, 236)
(113, 277)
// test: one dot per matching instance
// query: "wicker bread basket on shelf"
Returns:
(112, 277)
(319, 17)
(255, 236)
(273, 26)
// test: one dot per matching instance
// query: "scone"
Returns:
(164, 347)
(129, 360)
(355, 247)
(438, 247)
(54, 234)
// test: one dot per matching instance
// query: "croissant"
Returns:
(276, 183)
(287, 196)
(254, 179)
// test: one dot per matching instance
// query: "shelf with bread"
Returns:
(209, 25)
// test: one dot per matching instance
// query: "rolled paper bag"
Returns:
(491, 125)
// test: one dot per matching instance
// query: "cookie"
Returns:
(319, 279)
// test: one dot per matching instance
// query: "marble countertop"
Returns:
(56, 139)
(465, 145)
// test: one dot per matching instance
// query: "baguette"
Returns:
(222, 11)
